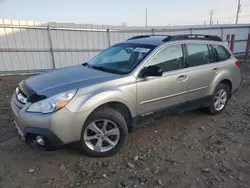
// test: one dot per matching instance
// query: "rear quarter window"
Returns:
(221, 52)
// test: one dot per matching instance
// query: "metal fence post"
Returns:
(191, 30)
(232, 42)
(222, 33)
(108, 37)
(153, 31)
(247, 47)
(228, 39)
(51, 48)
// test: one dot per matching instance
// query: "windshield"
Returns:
(121, 58)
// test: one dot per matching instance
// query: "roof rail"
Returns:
(192, 37)
(147, 36)
(169, 38)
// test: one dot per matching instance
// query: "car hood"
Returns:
(65, 79)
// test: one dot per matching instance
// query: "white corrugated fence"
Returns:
(29, 46)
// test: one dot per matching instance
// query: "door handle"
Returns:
(182, 78)
(216, 70)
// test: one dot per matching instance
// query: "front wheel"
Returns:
(220, 99)
(104, 133)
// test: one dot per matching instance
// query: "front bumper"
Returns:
(51, 141)
(59, 128)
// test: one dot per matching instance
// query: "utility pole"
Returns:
(146, 17)
(238, 12)
(211, 16)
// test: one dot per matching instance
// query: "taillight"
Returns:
(237, 63)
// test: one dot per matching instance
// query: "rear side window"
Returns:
(221, 52)
(198, 54)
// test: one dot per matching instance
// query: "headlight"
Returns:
(17, 90)
(53, 103)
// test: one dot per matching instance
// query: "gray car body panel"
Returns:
(65, 79)
(141, 95)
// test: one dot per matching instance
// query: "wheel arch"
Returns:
(212, 108)
(122, 108)
(222, 78)
(227, 82)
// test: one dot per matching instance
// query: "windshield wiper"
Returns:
(101, 68)
(96, 67)
(86, 64)
(106, 69)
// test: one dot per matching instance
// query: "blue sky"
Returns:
(114, 12)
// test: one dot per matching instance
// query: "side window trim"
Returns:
(185, 55)
(212, 53)
(217, 55)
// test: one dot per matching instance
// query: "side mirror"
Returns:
(152, 71)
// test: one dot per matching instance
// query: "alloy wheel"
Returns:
(101, 135)
(220, 99)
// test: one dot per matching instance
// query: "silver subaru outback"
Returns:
(126, 86)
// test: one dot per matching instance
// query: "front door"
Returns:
(158, 94)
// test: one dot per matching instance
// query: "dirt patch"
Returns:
(191, 150)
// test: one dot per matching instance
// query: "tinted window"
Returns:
(221, 52)
(198, 54)
(169, 59)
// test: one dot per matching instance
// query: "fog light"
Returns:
(40, 140)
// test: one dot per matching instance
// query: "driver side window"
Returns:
(169, 58)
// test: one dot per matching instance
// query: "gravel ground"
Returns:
(193, 150)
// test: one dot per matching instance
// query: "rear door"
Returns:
(201, 71)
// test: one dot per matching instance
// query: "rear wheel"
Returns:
(104, 133)
(220, 99)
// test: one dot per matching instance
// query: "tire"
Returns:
(221, 87)
(113, 118)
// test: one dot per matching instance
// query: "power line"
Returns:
(245, 15)
(229, 8)
(232, 17)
